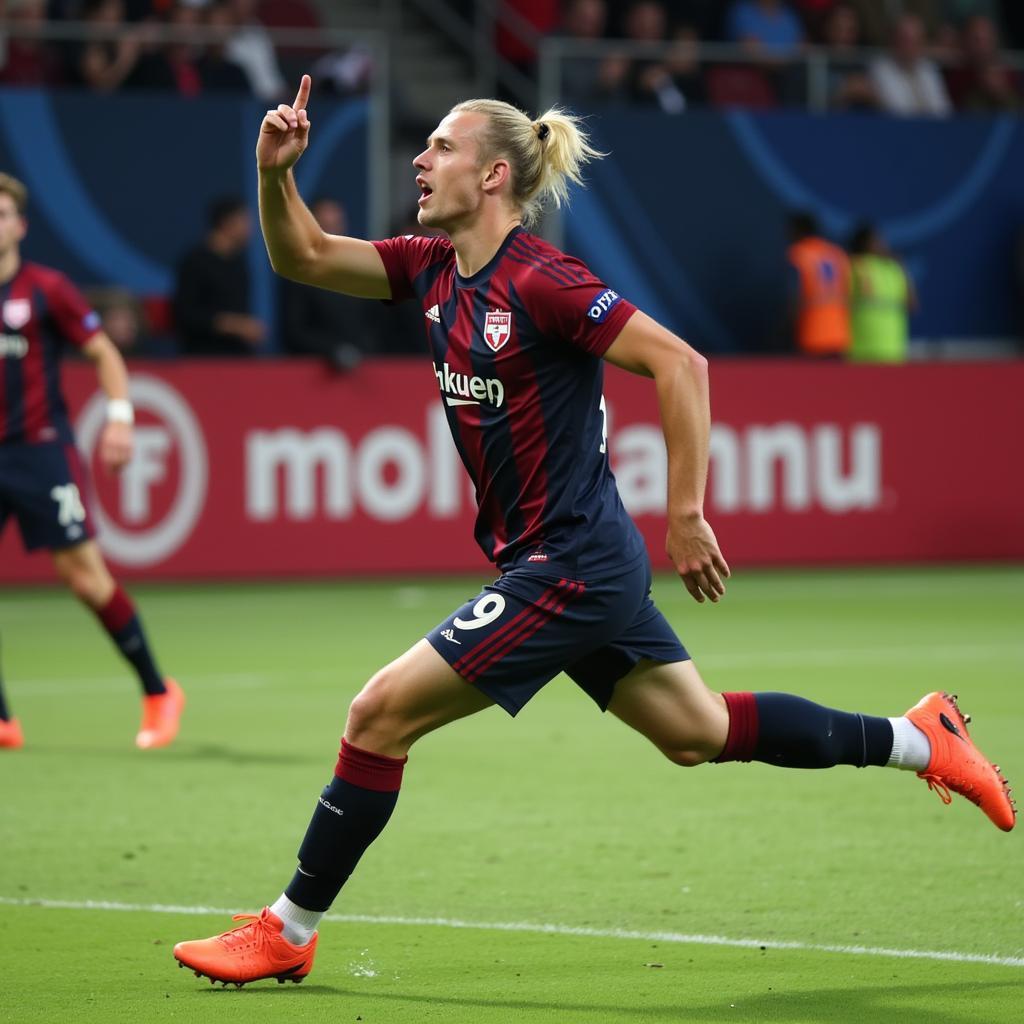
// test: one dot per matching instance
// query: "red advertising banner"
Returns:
(286, 468)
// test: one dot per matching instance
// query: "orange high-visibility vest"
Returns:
(823, 318)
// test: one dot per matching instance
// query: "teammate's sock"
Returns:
(911, 750)
(5, 714)
(792, 732)
(350, 813)
(299, 925)
(121, 621)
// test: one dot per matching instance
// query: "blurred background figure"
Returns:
(100, 63)
(882, 297)
(581, 76)
(26, 61)
(906, 81)
(125, 321)
(819, 290)
(327, 324)
(218, 72)
(766, 29)
(849, 87)
(982, 81)
(211, 300)
(251, 48)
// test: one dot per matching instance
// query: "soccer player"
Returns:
(43, 480)
(518, 331)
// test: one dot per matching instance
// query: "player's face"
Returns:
(450, 174)
(12, 225)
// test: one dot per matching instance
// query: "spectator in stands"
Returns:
(819, 290)
(322, 323)
(217, 72)
(582, 76)
(982, 82)
(906, 82)
(876, 18)
(103, 63)
(649, 81)
(882, 297)
(171, 66)
(767, 29)
(211, 300)
(849, 87)
(252, 49)
(124, 320)
(25, 61)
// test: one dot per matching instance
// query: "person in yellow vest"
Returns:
(881, 300)
(820, 273)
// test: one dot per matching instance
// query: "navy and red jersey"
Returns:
(41, 312)
(516, 351)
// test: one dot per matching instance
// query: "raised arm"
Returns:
(681, 379)
(298, 248)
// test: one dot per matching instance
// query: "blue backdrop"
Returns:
(120, 185)
(687, 217)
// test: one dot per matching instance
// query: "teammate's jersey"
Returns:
(516, 351)
(41, 311)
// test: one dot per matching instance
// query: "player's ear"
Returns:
(495, 175)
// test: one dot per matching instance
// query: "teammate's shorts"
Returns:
(526, 627)
(43, 486)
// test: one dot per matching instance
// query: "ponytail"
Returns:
(544, 155)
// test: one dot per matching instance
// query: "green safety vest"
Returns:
(878, 310)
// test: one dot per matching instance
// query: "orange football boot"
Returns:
(11, 737)
(161, 715)
(250, 952)
(957, 764)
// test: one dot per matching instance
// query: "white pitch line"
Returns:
(532, 928)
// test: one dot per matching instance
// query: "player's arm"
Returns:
(112, 375)
(680, 375)
(298, 247)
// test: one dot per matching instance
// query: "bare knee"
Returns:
(375, 721)
(690, 758)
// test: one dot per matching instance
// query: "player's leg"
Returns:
(82, 569)
(414, 695)
(10, 728)
(690, 724)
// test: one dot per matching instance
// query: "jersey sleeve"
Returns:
(76, 320)
(565, 300)
(406, 257)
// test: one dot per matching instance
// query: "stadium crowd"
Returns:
(899, 57)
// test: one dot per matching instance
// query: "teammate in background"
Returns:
(42, 478)
(518, 331)
(819, 291)
(882, 298)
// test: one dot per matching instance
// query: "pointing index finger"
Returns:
(302, 96)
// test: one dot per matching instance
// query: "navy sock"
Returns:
(5, 714)
(792, 732)
(351, 812)
(121, 621)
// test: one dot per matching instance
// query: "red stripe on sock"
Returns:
(526, 630)
(117, 612)
(369, 770)
(741, 742)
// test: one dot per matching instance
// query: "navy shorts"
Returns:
(43, 486)
(526, 627)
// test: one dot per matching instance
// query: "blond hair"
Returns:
(10, 186)
(545, 155)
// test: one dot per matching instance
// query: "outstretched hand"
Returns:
(697, 558)
(284, 133)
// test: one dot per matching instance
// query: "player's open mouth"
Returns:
(426, 191)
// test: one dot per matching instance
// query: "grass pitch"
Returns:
(607, 884)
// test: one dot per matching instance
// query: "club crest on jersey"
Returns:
(17, 313)
(497, 328)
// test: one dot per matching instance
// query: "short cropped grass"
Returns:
(560, 818)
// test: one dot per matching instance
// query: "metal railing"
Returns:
(322, 40)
